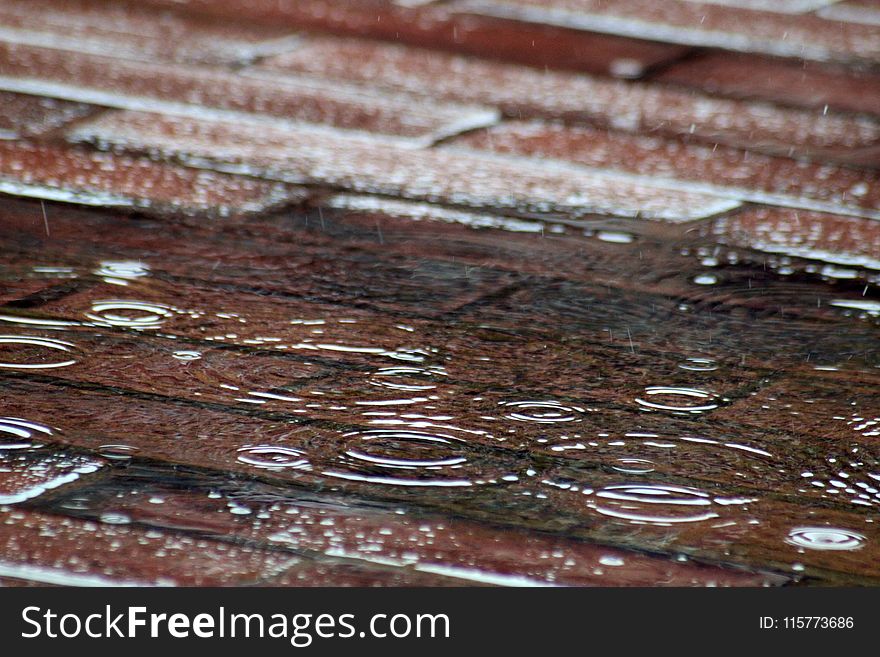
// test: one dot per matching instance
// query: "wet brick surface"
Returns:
(472, 292)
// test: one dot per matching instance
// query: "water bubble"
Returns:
(273, 457)
(35, 341)
(686, 394)
(16, 433)
(825, 538)
(129, 314)
(186, 355)
(406, 378)
(706, 279)
(542, 411)
(615, 237)
(115, 518)
(611, 560)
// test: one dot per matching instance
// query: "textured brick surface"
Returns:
(701, 24)
(789, 82)
(521, 92)
(433, 25)
(191, 90)
(129, 29)
(861, 12)
(472, 292)
(463, 176)
(26, 116)
(81, 176)
(743, 175)
(468, 552)
(826, 238)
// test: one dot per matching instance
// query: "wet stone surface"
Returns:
(312, 298)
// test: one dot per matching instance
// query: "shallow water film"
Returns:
(444, 315)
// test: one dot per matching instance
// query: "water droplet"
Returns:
(129, 314)
(186, 355)
(706, 279)
(685, 394)
(115, 518)
(16, 433)
(825, 538)
(611, 560)
(24, 341)
(542, 411)
(273, 457)
(615, 237)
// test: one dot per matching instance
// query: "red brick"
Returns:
(520, 92)
(844, 241)
(250, 97)
(699, 24)
(738, 174)
(803, 84)
(280, 269)
(29, 116)
(432, 25)
(83, 176)
(57, 550)
(129, 29)
(195, 372)
(860, 12)
(181, 435)
(456, 176)
(466, 551)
